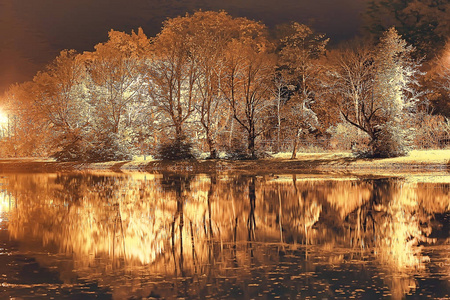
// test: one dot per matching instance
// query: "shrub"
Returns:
(237, 150)
(430, 131)
(392, 141)
(345, 136)
(107, 150)
(106, 147)
(176, 149)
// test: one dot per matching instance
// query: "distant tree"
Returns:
(173, 75)
(422, 23)
(444, 69)
(351, 73)
(437, 83)
(117, 90)
(300, 52)
(301, 119)
(209, 33)
(378, 93)
(248, 73)
(280, 93)
(431, 131)
(60, 96)
(27, 131)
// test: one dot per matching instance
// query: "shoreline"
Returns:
(308, 163)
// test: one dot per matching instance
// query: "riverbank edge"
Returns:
(307, 163)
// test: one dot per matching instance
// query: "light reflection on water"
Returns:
(223, 236)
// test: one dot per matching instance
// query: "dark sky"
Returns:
(32, 32)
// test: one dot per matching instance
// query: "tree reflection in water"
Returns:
(205, 227)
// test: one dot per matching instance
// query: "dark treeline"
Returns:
(212, 83)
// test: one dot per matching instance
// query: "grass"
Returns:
(417, 161)
(422, 157)
(413, 157)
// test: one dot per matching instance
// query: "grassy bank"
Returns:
(416, 161)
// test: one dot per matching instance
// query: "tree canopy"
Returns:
(212, 83)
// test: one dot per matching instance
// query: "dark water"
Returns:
(172, 236)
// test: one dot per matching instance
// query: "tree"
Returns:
(173, 75)
(351, 72)
(379, 95)
(395, 88)
(422, 23)
(301, 119)
(248, 73)
(437, 82)
(27, 132)
(444, 69)
(59, 94)
(300, 52)
(209, 33)
(280, 92)
(117, 92)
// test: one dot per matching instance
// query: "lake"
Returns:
(100, 235)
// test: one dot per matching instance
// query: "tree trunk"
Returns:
(295, 144)
(251, 221)
(279, 121)
(251, 145)
(211, 147)
(294, 149)
(230, 140)
(178, 131)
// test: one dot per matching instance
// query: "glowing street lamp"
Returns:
(4, 121)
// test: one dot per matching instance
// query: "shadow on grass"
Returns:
(305, 164)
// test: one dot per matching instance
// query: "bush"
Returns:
(70, 148)
(70, 152)
(345, 136)
(102, 148)
(431, 130)
(392, 141)
(107, 150)
(237, 150)
(176, 149)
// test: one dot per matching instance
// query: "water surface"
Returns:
(170, 236)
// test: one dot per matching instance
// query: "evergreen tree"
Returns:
(394, 95)
(376, 92)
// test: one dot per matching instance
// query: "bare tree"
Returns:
(248, 71)
(352, 73)
(300, 54)
(211, 33)
(173, 75)
(279, 92)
